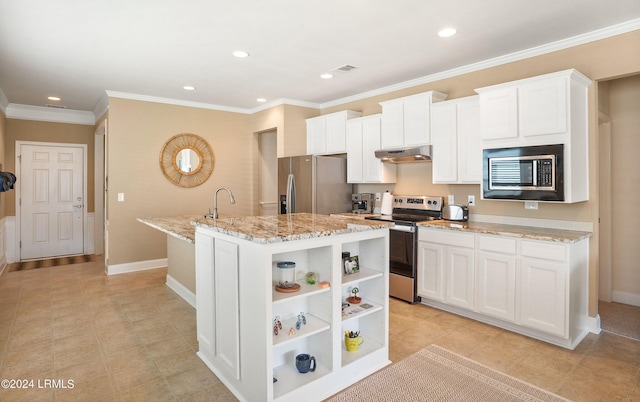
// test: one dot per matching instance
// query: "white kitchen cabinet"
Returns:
(237, 305)
(542, 110)
(460, 277)
(363, 139)
(542, 295)
(533, 287)
(496, 277)
(327, 134)
(446, 267)
(406, 121)
(430, 270)
(457, 143)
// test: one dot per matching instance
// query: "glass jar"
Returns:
(286, 274)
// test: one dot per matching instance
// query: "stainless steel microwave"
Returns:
(534, 173)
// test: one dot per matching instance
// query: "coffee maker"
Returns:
(362, 203)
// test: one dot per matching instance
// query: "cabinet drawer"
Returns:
(447, 237)
(547, 251)
(497, 244)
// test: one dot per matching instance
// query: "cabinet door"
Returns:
(542, 296)
(543, 107)
(227, 306)
(496, 284)
(355, 151)
(205, 313)
(416, 121)
(335, 130)
(469, 153)
(316, 138)
(392, 125)
(430, 270)
(374, 171)
(444, 136)
(499, 114)
(459, 267)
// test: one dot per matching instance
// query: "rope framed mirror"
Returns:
(186, 160)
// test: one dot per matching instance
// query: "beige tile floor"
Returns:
(130, 338)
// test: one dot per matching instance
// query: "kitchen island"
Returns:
(181, 255)
(238, 308)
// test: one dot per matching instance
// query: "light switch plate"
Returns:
(120, 197)
(451, 199)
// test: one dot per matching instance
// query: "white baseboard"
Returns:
(594, 324)
(136, 266)
(625, 298)
(182, 291)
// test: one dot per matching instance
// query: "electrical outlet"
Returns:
(451, 200)
(120, 197)
(471, 200)
(378, 197)
(531, 205)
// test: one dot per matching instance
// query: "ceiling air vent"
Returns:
(345, 68)
(55, 106)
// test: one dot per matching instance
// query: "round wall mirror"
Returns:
(186, 160)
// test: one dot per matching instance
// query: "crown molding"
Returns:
(102, 107)
(41, 113)
(27, 112)
(577, 40)
(177, 102)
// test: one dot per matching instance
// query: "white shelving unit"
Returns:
(262, 355)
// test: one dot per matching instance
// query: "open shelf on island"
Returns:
(362, 309)
(363, 275)
(313, 326)
(305, 290)
(289, 379)
(368, 346)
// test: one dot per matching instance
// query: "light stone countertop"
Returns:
(280, 228)
(180, 227)
(525, 232)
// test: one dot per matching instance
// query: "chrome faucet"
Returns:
(215, 201)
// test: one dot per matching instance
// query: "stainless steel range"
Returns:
(403, 238)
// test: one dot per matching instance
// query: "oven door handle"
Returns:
(402, 228)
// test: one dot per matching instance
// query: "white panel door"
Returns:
(51, 201)
(459, 279)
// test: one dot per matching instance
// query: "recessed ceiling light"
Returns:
(54, 98)
(240, 53)
(261, 100)
(189, 88)
(447, 32)
(326, 76)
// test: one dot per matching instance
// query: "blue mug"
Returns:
(305, 363)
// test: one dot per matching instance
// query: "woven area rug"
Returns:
(51, 262)
(436, 374)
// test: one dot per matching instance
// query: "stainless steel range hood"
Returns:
(405, 155)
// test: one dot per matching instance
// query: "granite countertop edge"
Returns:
(524, 232)
(240, 227)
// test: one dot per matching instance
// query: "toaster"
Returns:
(455, 213)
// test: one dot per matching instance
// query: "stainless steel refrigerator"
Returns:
(316, 184)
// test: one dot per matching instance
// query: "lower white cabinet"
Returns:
(534, 287)
(237, 307)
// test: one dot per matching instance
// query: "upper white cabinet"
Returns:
(457, 142)
(406, 121)
(327, 134)
(363, 139)
(547, 109)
